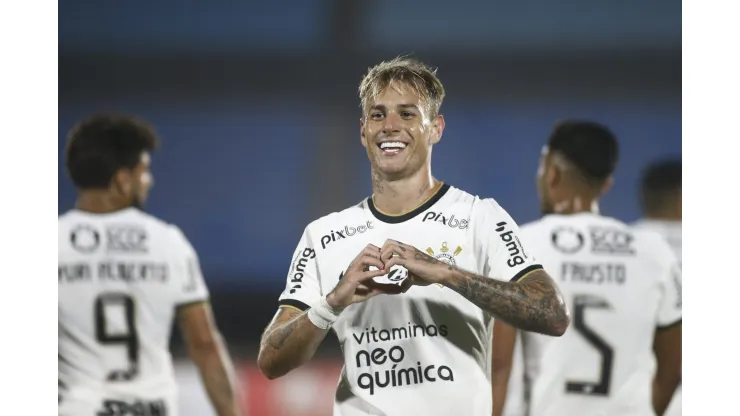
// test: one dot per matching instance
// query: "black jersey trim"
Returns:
(669, 326)
(294, 303)
(396, 219)
(525, 272)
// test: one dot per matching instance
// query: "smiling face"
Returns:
(398, 132)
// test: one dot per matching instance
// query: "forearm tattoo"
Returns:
(533, 304)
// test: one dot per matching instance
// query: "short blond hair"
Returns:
(418, 76)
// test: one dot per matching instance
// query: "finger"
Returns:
(390, 250)
(371, 261)
(395, 260)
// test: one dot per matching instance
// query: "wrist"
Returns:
(450, 275)
(323, 315)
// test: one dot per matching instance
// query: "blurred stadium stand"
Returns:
(256, 102)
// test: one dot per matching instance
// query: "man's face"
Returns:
(397, 132)
(543, 188)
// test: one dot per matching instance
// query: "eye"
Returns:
(407, 114)
(376, 115)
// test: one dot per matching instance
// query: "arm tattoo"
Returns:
(282, 333)
(533, 304)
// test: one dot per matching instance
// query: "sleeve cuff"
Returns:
(294, 304)
(525, 272)
(669, 326)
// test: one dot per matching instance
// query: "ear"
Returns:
(553, 175)
(607, 185)
(122, 181)
(363, 140)
(438, 127)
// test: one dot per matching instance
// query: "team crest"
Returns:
(445, 256)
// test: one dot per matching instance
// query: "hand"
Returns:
(357, 284)
(423, 268)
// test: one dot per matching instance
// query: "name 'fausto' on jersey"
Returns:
(622, 284)
(121, 276)
(421, 351)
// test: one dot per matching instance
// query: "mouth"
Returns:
(392, 147)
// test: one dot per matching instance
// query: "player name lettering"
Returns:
(142, 272)
(450, 221)
(135, 408)
(594, 273)
(346, 232)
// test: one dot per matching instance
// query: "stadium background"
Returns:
(256, 102)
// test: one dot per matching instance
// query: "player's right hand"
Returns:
(357, 284)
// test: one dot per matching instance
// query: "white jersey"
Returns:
(621, 285)
(426, 351)
(121, 275)
(671, 231)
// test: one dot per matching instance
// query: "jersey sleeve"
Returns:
(302, 288)
(670, 306)
(503, 249)
(188, 282)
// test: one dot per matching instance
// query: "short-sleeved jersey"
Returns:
(426, 351)
(121, 276)
(671, 231)
(621, 285)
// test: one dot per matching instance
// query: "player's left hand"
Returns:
(423, 268)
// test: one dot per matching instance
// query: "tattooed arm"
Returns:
(533, 303)
(288, 342)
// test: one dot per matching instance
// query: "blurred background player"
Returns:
(423, 351)
(124, 276)
(660, 200)
(622, 284)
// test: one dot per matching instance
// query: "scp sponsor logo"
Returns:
(299, 268)
(345, 232)
(512, 243)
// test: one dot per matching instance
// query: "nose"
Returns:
(392, 123)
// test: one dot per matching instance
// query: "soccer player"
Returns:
(660, 197)
(622, 284)
(411, 278)
(124, 276)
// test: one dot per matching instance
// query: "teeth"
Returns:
(393, 145)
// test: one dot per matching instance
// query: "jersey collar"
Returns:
(397, 219)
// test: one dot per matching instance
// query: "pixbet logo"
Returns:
(347, 231)
(513, 245)
(299, 268)
(450, 221)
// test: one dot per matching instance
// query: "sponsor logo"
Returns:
(133, 408)
(513, 245)
(299, 268)
(567, 240)
(345, 232)
(611, 241)
(126, 238)
(398, 372)
(450, 221)
(84, 238)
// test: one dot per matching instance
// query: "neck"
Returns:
(577, 204)
(99, 201)
(399, 196)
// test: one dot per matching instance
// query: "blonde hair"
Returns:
(413, 73)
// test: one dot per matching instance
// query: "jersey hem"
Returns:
(190, 303)
(519, 276)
